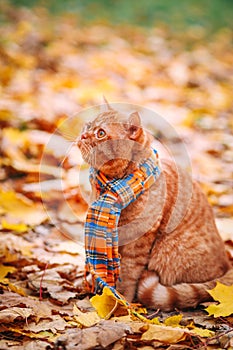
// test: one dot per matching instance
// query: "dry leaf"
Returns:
(40, 335)
(167, 335)
(17, 206)
(54, 324)
(86, 319)
(4, 270)
(111, 332)
(12, 246)
(102, 335)
(9, 315)
(41, 309)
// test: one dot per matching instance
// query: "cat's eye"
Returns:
(100, 134)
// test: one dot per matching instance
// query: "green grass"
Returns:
(177, 14)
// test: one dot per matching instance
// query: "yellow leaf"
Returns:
(224, 295)
(21, 227)
(204, 333)
(107, 303)
(155, 320)
(41, 335)
(17, 289)
(4, 270)
(12, 287)
(19, 207)
(173, 321)
(164, 334)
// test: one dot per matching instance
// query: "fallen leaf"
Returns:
(40, 335)
(110, 332)
(12, 246)
(54, 258)
(62, 296)
(9, 315)
(54, 324)
(224, 295)
(50, 280)
(204, 333)
(107, 304)
(15, 288)
(19, 207)
(41, 309)
(16, 143)
(23, 344)
(167, 335)
(4, 270)
(86, 319)
(74, 248)
(21, 227)
(173, 321)
(101, 336)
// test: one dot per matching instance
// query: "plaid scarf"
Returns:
(101, 234)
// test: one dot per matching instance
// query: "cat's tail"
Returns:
(184, 295)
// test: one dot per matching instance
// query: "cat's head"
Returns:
(115, 143)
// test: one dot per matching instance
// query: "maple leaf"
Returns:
(224, 295)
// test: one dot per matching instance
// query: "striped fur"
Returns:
(184, 295)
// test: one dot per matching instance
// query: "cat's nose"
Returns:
(84, 136)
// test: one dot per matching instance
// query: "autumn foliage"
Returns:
(51, 70)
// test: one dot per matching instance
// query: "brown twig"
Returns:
(41, 280)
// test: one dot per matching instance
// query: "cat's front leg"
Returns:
(131, 269)
(127, 282)
(134, 260)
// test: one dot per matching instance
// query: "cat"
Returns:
(171, 252)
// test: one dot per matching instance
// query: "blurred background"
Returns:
(57, 56)
(208, 15)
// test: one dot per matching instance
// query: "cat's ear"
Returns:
(106, 106)
(134, 125)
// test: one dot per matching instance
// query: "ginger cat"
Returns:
(163, 265)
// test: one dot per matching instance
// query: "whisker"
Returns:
(69, 136)
(74, 143)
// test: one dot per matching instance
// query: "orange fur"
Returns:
(163, 268)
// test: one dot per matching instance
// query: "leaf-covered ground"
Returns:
(51, 68)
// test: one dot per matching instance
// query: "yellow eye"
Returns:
(100, 134)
